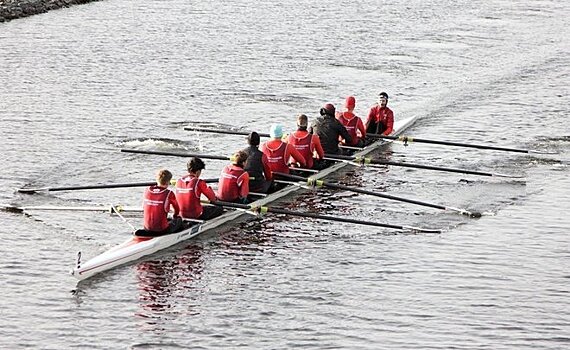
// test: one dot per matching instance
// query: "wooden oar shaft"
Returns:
(313, 182)
(409, 139)
(322, 217)
(176, 154)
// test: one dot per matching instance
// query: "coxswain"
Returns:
(257, 166)
(234, 180)
(189, 190)
(279, 153)
(380, 118)
(330, 130)
(157, 202)
(352, 123)
(309, 145)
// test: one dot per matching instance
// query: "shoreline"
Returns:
(14, 9)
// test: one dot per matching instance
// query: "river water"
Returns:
(78, 84)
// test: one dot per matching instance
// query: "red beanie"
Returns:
(350, 102)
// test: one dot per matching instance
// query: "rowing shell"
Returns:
(137, 247)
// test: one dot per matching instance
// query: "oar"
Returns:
(176, 154)
(205, 156)
(365, 161)
(222, 131)
(111, 209)
(312, 182)
(92, 187)
(408, 139)
(263, 210)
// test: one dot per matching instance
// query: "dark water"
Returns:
(78, 84)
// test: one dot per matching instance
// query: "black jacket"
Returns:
(329, 129)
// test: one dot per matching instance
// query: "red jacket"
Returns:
(307, 144)
(188, 191)
(234, 183)
(278, 154)
(156, 205)
(352, 123)
(383, 115)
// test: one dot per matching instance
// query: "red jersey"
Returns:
(234, 183)
(156, 205)
(384, 115)
(188, 191)
(353, 125)
(278, 154)
(307, 144)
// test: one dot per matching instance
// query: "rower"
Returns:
(309, 145)
(380, 118)
(157, 201)
(352, 123)
(279, 153)
(330, 130)
(257, 166)
(234, 180)
(189, 190)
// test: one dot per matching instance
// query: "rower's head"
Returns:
(239, 158)
(383, 99)
(276, 131)
(328, 109)
(253, 139)
(163, 177)
(302, 122)
(195, 165)
(350, 103)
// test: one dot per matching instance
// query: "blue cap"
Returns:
(276, 131)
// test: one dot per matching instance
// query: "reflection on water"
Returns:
(162, 282)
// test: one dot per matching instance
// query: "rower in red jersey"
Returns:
(257, 166)
(308, 145)
(380, 117)
(234, 180)
(278, 152)
(157, 201)
(352, 123)
(190, 188)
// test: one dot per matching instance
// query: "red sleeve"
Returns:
(243, 182)
(295, 154)
(173, 203)
(389, 123)
(206, 190)
(361, 127)
(318, 146)
(266, 169)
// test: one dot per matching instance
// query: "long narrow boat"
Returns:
(137, 247)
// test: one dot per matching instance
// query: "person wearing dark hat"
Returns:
(189, 190)
(280, 153)
(234, 180)
(352, 123)
(330, 130)
(309, 145)
(380, 118)
(257, 166)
